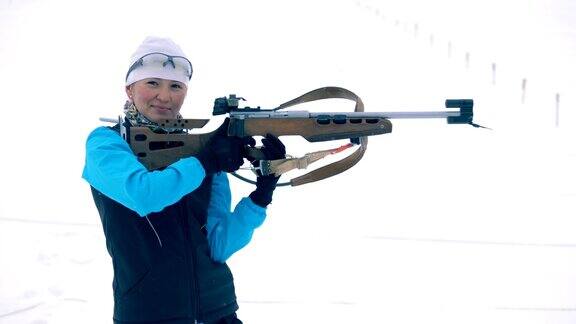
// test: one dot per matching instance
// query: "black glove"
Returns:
(273, 149)
(224, 153)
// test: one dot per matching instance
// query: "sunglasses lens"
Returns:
(160, 60)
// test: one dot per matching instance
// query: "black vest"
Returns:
(162, 265)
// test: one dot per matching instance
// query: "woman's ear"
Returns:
(129, 92)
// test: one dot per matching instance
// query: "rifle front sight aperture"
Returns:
(466, 112)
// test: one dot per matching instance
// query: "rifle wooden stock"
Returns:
(312, 129)
(156, 151)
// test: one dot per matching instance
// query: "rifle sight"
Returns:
(225, 105)
(466, 113)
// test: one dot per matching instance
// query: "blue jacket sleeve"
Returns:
(229, 231)
(112, 168)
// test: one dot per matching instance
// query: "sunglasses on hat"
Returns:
(164, 60)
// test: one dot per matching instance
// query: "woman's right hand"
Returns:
(224, 153)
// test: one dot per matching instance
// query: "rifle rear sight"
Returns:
(225, 105)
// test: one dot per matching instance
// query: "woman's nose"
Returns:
(163, 94)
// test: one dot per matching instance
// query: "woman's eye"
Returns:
(152, 83)
(176, 86)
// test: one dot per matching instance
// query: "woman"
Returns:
(170, 231)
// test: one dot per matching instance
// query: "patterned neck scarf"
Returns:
(136, 119)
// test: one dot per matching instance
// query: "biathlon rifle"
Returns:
(156, 150)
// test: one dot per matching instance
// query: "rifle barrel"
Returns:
(396, 114)
(366, 115)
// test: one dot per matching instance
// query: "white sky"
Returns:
(428, 223)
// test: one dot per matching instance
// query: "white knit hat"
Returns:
(159, 58)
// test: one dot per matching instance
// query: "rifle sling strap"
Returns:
(333, 168)
(282, 166)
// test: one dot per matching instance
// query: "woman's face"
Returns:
(157, 99)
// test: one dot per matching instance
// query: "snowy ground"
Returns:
(437, 224)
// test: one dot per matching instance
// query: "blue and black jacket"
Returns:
(169, 233)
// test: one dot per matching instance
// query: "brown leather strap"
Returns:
(281, 166)
(347, 162)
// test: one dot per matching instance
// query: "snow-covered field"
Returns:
(437, 224)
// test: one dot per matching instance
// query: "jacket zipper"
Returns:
(192, 268)
(195, 281)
